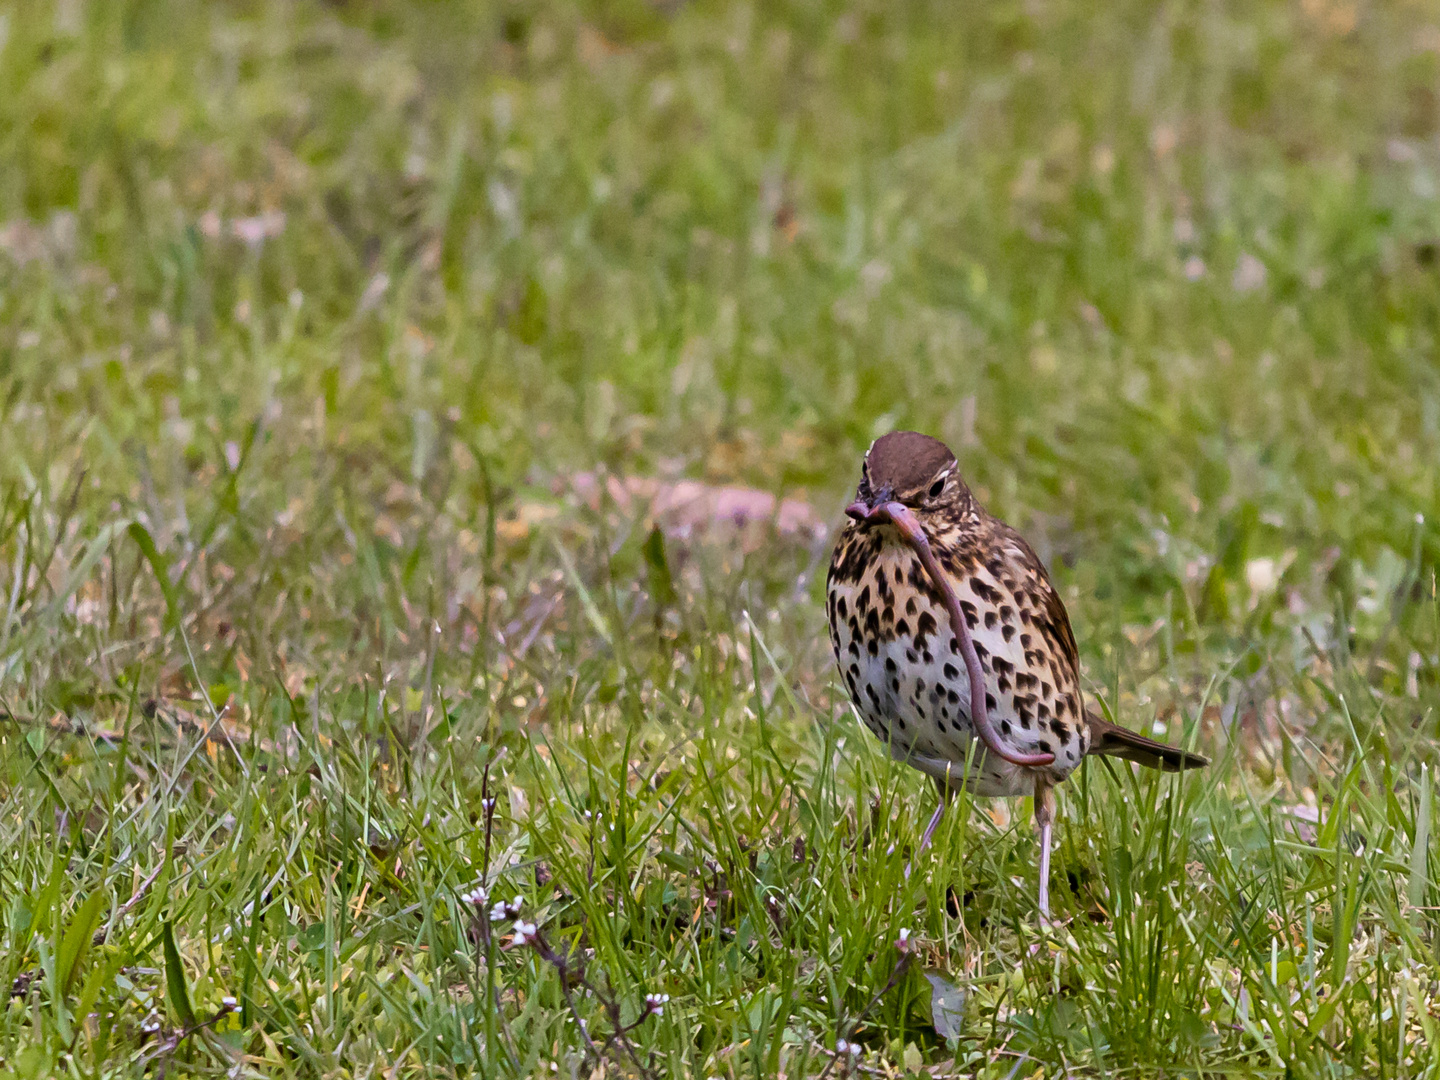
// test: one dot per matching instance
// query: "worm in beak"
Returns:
(911, 531)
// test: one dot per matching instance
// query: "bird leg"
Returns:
(1044, 819)
(944, 790)
(935, 818)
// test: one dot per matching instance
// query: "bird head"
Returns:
(913, 470)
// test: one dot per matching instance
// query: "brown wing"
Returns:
(1047, 609)
(1049, 615)
(1045, 683)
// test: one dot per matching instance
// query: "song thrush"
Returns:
(946, 628)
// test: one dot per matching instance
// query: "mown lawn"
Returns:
(355, 358)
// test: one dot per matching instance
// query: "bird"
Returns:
(947, 628)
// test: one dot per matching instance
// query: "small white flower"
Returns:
(502, 910)
(229, 1003)
(479, 896)
(853, 1049)
(903, 941)
(655, 1003)
(525, 932)
(487, 804)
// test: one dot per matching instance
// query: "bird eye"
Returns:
(936, 488)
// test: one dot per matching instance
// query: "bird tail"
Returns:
(1115, 741)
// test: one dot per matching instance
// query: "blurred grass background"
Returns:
(319, 320)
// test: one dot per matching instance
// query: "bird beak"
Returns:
(893, 513)
(872, 508)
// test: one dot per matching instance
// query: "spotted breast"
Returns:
(902, 665)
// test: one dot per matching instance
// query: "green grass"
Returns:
(309, 314)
